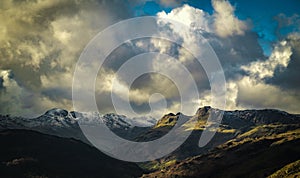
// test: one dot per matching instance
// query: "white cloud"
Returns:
(200, 22)
(162, 45)
(252, 91)
(280, 57)
(225, 22)
(256, 94)
(189, 16)
(10, 91)
(109, 82)
(248, 93)
(231, 97)
(193, 18)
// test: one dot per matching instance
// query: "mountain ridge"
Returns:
(250, 131)
(64, 123)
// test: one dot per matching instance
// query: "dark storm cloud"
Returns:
(40, 42)
(288, 29)
(1, 83)
(288, 79)
(28, 25)
(236, 51)
(287, 24)
(56, 94)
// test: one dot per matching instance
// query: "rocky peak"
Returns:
(57, 112)
(168, 120)
(203, 113)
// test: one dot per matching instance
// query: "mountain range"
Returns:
(248, 143)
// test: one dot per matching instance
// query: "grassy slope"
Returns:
(254, 154)
(290, 170)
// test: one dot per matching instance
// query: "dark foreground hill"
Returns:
(26, 153)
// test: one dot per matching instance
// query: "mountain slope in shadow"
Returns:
(26, 153)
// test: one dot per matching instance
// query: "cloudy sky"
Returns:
(257, 43)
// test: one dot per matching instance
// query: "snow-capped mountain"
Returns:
(63, 123)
